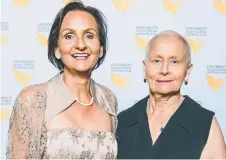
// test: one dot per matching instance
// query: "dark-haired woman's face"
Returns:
(78, 45)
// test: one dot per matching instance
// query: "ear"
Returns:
(101, 52)
(57, 53)
(188, 72)
(144, 69)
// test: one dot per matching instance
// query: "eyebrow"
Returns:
(69, 29)
(171, 57)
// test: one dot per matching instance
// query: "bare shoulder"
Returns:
(215, 146)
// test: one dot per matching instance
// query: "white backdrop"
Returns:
(25, 25)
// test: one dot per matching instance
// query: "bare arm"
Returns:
(215, 146)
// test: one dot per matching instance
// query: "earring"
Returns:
(185, 82)
(145, 80)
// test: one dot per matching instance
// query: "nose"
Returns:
(80, 44)
(164, 68)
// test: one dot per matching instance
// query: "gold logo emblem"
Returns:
(220, 6)
(21, 3)
(23, 78)
(215, 83)
(119, 81)
(141, 43)
(4, 113)
(43, 40)
(173, 6)
(195, 45)
(3, 39)
(122, 5)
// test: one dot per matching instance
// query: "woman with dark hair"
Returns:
(70, 116)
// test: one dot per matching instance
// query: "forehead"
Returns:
(168, 46)
(79, 20)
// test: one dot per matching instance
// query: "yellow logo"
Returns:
(119, 81)
(215, 83)
(173, 6)
(23, 78)
(122, 5)
(141, 43)
(195, 45)
(220, 6)
(4, 113)
(21, 3)
(65, 2)
(43, 40)
(3, 39)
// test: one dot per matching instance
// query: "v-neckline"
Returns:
(166, 126)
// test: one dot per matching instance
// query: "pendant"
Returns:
(161, 129)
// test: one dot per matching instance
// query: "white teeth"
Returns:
(80, 55)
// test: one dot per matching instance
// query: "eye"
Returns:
(174, 62)
(69, 36)
(156, 61)
(89, 36)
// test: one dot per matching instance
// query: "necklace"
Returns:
(161, 122)
(86, 104)
(83, 104)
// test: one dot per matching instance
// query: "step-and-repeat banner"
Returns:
(25, 25)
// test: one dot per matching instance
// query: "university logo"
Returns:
(216, 76)
(22, 71)
(43, 30)
(3, 39)
(4, 113)
(21, 3)
(122, 5)
(215, 83)
(173, 5)
(4, 107)
(3, 34)
(220, 6)
(193, 34)
(195, 45)
(120, 81)
(144, 33)
(119, 74)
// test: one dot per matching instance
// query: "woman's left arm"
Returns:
(215, 146)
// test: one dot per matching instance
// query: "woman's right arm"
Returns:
(19, 127)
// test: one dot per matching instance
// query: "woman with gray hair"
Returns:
(166, 124)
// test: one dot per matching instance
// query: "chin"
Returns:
(83, 68)
(165, 91)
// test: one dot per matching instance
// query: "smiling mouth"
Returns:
(80, 56)
(164, 81)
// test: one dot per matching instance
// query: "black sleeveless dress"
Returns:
(184, 136)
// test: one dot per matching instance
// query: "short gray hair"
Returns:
(171, 34)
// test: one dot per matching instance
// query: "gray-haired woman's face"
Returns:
(166, 65)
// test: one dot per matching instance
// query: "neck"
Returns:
(159, 103)
(78, 85)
